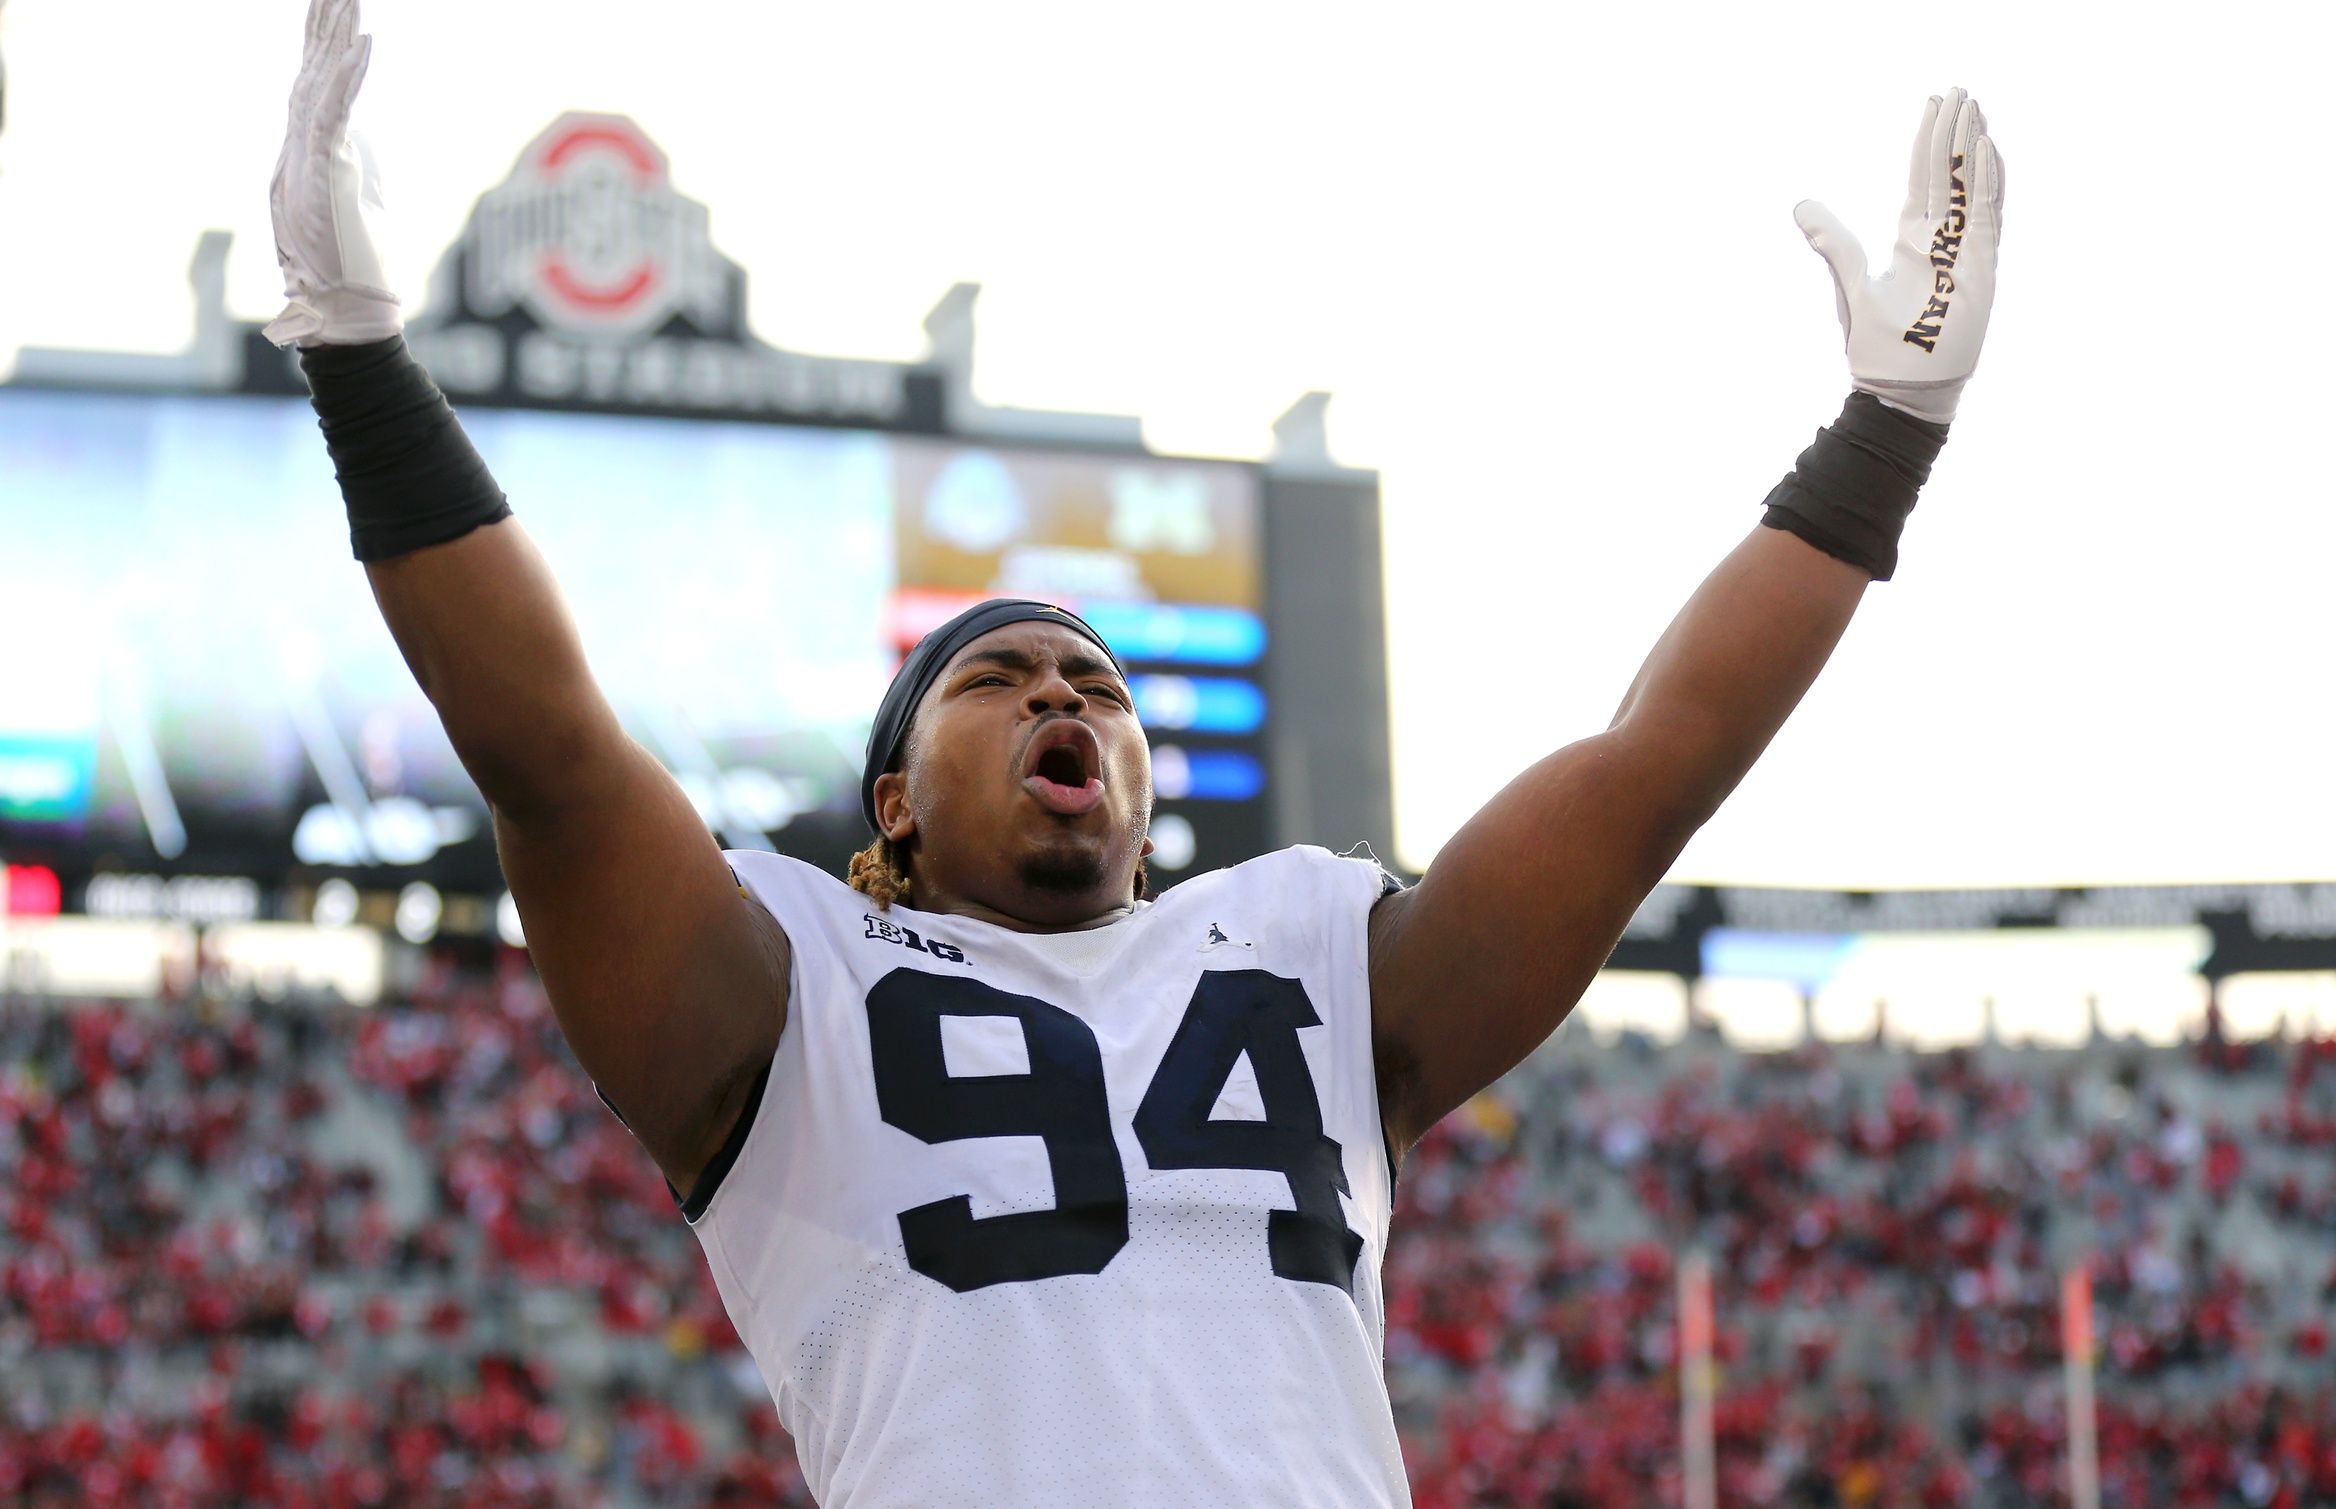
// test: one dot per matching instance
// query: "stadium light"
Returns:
(335, 904)
(419, 908)
(1173, 842)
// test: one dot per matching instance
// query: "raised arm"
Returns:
(1481, 960)
(669, 983)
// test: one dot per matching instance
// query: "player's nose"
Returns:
(1050, 690)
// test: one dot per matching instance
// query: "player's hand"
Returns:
(325, 187)
(1913, 332)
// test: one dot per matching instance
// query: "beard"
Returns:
(1070, 869)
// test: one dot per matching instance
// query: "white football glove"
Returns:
(1913, 333)
(326, 185)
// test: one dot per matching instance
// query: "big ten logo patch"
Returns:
(885, 930)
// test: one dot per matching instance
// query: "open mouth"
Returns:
(1061, 767)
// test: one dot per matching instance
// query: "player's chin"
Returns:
(1073, 859)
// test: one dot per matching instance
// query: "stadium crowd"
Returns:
(1888, 1232)
(294, 1253)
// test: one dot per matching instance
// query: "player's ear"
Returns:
(1146, 851)
(893, 818)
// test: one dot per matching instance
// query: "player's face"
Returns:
(1027, 786)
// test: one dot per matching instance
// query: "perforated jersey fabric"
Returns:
(1085, 1220)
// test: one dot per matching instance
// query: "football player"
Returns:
(1022, 1188)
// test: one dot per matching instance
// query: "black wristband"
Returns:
(1850, 492)
(408, 473)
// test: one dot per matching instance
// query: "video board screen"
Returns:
(193, 674)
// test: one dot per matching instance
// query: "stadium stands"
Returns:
(294, 1253)
(1888, 1230)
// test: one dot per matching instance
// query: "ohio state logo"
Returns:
(588, 235)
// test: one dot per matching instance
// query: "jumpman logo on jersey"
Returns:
(1219, 938)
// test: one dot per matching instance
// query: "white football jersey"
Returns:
(1085, 1220)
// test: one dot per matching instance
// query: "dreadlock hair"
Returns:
(880, 873)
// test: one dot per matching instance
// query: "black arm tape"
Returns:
(408, 473)
(1850, 492)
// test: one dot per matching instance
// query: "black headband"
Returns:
(932, 656)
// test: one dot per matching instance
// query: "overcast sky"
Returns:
(1545, 258)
